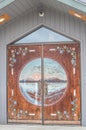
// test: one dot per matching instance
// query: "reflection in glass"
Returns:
(43, 35)
(55, 82)
(54, 92)
(31, 92)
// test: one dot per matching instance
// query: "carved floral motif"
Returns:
(23, 51)
(70, 51)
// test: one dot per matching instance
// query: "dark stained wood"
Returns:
(60, 106)
(13, 82)
(73, 83)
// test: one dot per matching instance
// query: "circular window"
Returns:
(53, 77)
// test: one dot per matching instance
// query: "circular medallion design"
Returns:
(55, 82)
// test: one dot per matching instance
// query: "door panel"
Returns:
(62, 83)
(44, 84)
(24, 83)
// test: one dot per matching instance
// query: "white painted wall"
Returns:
(26, 23)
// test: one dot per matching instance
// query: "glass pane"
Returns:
(43, 35)
(55, 79)
(30, 82)
(54, 92)
(31, 92)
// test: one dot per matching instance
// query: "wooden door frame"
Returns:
(64, 122)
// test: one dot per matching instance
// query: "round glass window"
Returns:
(54, 84)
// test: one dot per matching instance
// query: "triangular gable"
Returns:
(43, 34)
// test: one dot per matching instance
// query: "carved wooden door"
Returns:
(44, 84)
(24, 79)
(62, 84)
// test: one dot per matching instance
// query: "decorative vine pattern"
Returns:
(24, 50)
(13, 103)
(70, 51)
(60, 115)
(14, 112)
(15, 52)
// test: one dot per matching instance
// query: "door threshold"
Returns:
(62, 122)
(46, 122)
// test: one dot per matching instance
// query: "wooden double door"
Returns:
(44, 83)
